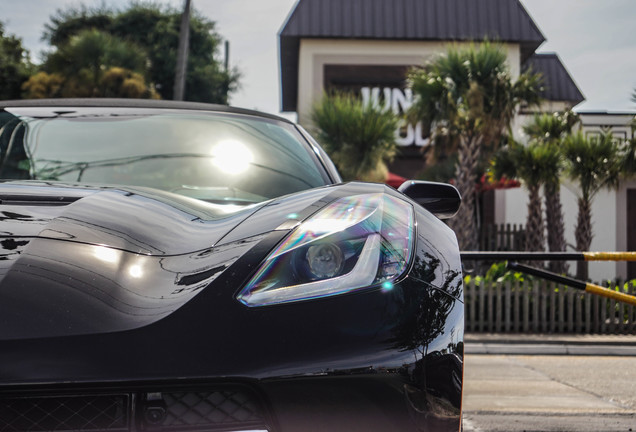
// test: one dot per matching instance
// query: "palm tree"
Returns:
(594, 163)
(360, 139)
(468, 96)
(629, 158)
(531, 165)
(629, 149)
(549, 130)
(553, 166)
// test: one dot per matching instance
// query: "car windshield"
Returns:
(218, 157)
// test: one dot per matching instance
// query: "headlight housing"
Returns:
(353, 243)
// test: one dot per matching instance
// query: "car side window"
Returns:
(14, 162)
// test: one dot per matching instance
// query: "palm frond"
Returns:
(549, 128)
(359, 138)
(594, 162)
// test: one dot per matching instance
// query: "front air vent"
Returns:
(199, 408)
(232, 408)
(37, 200)
(65, 413)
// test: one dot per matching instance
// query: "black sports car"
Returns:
(178, 267)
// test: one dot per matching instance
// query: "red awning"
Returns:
(395, 180)
(503, 183)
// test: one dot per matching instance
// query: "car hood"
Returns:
(137, 220)
(84, 260)
(142, 221)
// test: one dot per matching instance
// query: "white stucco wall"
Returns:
(621, 223)
(619, 124)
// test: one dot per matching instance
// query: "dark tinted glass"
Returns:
(212, 156)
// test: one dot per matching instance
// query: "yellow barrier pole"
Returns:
(548, 256)
(609, 256)
(605, 292)
(574, 283)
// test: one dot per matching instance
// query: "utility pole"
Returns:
(227, 57)
(182, 53)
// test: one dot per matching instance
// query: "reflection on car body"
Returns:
(175, 266)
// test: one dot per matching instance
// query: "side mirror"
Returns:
(441, 199)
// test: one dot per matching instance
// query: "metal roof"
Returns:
(557, 82)
(438, 20)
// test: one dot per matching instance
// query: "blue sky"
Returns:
(595, 40)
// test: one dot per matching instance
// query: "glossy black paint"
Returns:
(66, 317)
(130, 293)
(441, 199)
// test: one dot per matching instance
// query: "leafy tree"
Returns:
(155, 29)
(123, 83)
(594, 163)
(549, 130)
(15, 66)
(92, 64)
(43, 85)
(360, 139)
(469, 97)
(84, 58)
(66, 24)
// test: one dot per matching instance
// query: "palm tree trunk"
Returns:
(583, 235)
(534, 225)
(464, 223)
(535, 238)
(555, 224)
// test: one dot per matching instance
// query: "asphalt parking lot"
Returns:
(535, 391)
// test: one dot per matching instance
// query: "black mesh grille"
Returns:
(64, 413)
(209, 408)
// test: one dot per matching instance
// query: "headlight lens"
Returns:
(325, 260)
(353, 243)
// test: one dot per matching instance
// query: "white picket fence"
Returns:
(544, 307)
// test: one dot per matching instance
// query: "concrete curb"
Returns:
(550, 344)
(549, 349)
